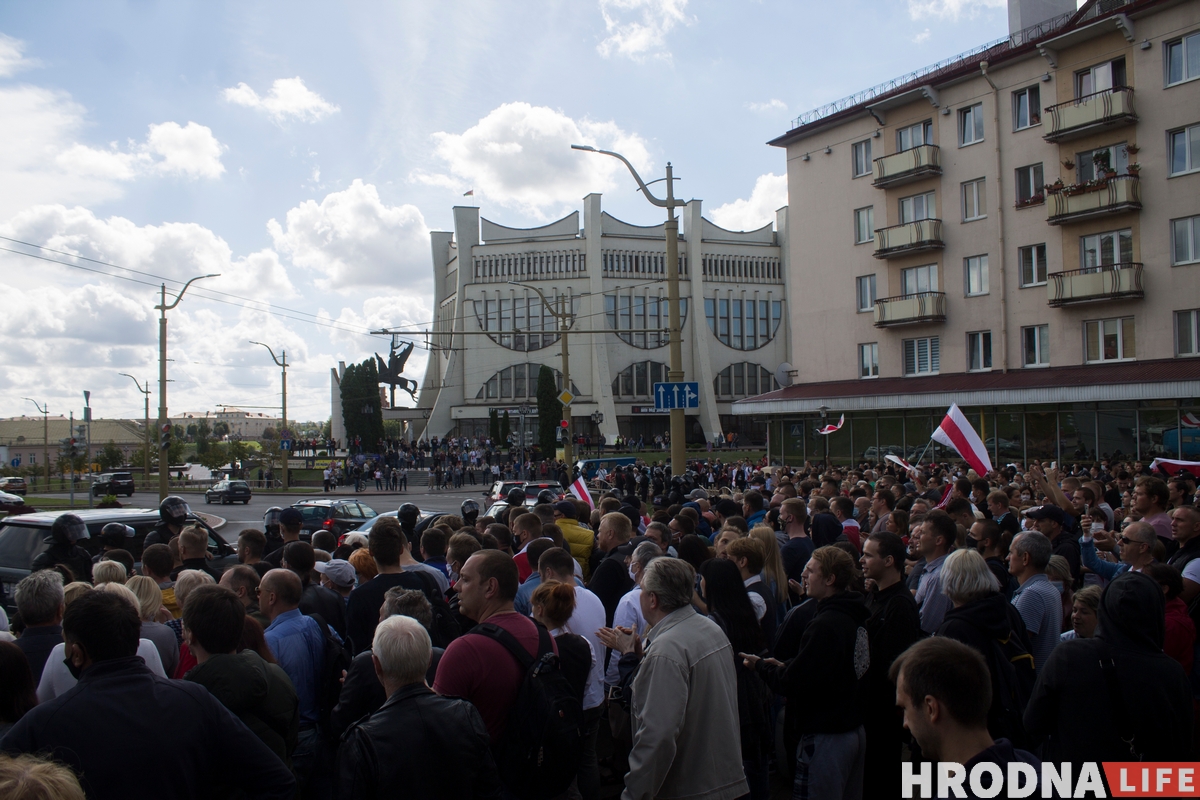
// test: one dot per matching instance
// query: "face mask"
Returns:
(1057, 585)
(632, 574)
(1025, 498)
(854, 512)
(71, 668)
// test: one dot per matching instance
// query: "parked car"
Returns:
(500, 490)
(338, 516)
(22, 539)
(11, 499)
(13, 485)
(226, 492)
(114, 483)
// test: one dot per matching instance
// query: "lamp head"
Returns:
(586, 147)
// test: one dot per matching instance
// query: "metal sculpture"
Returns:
(391, 372)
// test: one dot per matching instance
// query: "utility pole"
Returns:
(164, 466)
(87, 446)
(71, 454)
(283, 431)
(45, 411)
(675, 340)
(565, 318)
(146, 454)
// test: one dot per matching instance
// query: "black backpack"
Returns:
(1014, 677)
(445, 628)
(538, 754)
(336, 660)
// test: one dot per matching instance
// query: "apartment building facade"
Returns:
(492, 332)
(1017, 230)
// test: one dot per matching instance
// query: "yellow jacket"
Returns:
(580, 540)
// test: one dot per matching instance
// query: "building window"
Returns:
(1105, 249)
(1027, 108)
(970, 125)
(868, 360)
(1187, 333)
(1185, 240)
(915, 280)
(976, 268)
(502, 316)
(1100, 78)
(922, 356)
(1184, 149)
(1093, 164)
(743, 380)
(914, 136)
(974, 205)
(1109, 340)
(637, 380)
(743, 324)
(631, 315)
(917, 207)
(1183, 59)
(1033, 264)
(979, 351)
(865, 289)
(864, 225)
(1030, 190)
(1035, 350)
(862, 158)
(517, 381)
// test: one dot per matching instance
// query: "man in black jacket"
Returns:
(834, 655)
(329, 605)
(193, 552)
(433, 746)
(362, 610)
(39, 599)
(894, 625)
(610, 579)
(186, 740)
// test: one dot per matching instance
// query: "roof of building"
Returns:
(1133, 380)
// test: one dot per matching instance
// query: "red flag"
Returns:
(828, 429)
(956, 433)
(580, 490)
(1173, 467)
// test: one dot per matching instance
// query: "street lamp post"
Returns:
(87, 446)
(565, 318)
(824, 415)
(671, 228)
(146, 454)
(283, 431)
(45, 412)
(162, 308)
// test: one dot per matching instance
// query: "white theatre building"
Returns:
(491, 335)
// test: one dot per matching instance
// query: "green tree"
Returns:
(110, 456)
(494, 426)
(220, 429)
(214, 457)
(549, 411)
(505, 429)
(203, 432)
(269, 434)
(361, 410)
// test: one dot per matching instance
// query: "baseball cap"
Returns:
(699, 494)
(338, 570)
(1049, 512)
(290, 517)
(566, 508)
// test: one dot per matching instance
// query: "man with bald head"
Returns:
(1135, 545)
(299, 646)
(1185, 525)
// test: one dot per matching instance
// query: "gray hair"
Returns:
(186, 581)
(671, 580)
(353, 539)
(109, 572)
(1036, 546)
(39, 596)
(965, 577)
(409, 603)
(646, 552)
(403, 648)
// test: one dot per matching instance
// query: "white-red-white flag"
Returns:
(828, 429)
(900, 461)
(1173, 467)
(1189, 420)
(580, 490)
(956, 433)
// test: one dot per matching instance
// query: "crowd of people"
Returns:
(808, 627)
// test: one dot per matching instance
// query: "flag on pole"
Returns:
(469, 193)
(580, 490)
(898, 460)
(956, 433)
(945, 497)
(1173, 467)
(828, 429)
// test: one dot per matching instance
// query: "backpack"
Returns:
(445, 628)
(539, 752)
(336, 660)
(1012, 685)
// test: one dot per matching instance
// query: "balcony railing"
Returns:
(1096, 284)
(1094, 199)
(1092, 112)
(910, 309)
(907, 166)
(908, 238)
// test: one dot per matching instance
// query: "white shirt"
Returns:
(57, 679)
(627, 615)
(588, 618)
(1191, 570)
(756, 600)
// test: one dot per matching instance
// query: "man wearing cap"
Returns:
(1052, 522)
(172, 513)
(578, 538)
(64, 533)
(338, 576)
(289, 528)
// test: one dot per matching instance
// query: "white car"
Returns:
(11, 499)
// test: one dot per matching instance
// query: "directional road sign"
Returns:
(565, 397)
(685, 394)
(16, 462)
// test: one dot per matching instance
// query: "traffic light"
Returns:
(164, 438)
(66, 447)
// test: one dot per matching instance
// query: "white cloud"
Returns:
(12, 57)
(352, 240)
(950, 9)
(288, 98)
(769, 194)
(520, 156)
(922, 37)
(771, 105)
(638, 29)
(190, 151)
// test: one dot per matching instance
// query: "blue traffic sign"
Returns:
(684, 394)
(285, 444)
(16, 462)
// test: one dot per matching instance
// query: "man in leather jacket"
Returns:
(433, 746)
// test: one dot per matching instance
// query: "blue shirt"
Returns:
(299, 648)
(1105, 569)
(1040, 606)
(521, 603)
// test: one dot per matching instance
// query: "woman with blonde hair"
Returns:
(26, 777)
(108, 572)
(149, 598)
(772, 572)
(185, 582)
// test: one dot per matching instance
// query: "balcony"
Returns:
(1096, 285)
(907, 166)
(910, 309)
(908, 238)
(1098, 198)
(1093, 112)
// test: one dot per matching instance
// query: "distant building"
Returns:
(612, 276)
(24, 436)
(244, 424)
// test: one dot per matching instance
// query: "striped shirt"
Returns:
(1040, 606)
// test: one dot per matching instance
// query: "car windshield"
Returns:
(238, 485)
(313, 513)
(122, 476)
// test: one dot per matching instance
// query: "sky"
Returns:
(304, 151)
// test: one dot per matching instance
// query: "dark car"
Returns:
(338, 516)
(226, 492)
(22, 538)
(114, 483)
(13, 485)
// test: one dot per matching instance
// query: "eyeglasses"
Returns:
(1123, 539)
